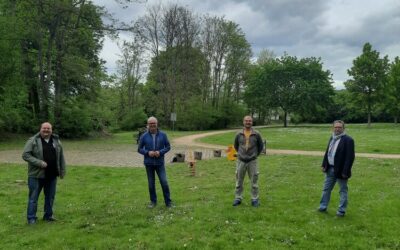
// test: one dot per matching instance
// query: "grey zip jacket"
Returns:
(255, 146)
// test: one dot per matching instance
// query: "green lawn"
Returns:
(104, 208)
(380, 138)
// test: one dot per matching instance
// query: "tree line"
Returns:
(176, 61)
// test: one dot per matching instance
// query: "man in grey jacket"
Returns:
(44, 154)
(249, 145)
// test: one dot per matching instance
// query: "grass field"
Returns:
(105, 208)
(380, 138)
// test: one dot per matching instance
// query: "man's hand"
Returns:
(154, 153)
(43, 164)
(323, 169)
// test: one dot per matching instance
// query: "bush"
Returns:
(195, 116)
(75, 121)
(133, 119)
(229, 114)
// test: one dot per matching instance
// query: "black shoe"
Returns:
(340, 214)
(50, 219)
(236, 202)
(170, 205)
(152, 205)
(31, 222)
(255, 203)
(322, 210)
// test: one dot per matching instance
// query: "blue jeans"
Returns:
(35, 187)
(330, 181)
(162, 176)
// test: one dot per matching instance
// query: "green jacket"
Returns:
(33, 154)
(256, 146)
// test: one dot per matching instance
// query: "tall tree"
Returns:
(228, 54)
(369, 74)
(392, 90)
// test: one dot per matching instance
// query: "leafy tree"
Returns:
(345, 108)
(295, 86)
(228, 54)
(265, 56)
(369, 74)
(317, 90)
(256, 96)
(171, 85)
(392, 90)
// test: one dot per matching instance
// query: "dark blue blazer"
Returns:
(344, 157)
(146, 145)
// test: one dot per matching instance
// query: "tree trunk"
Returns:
(42, 85)
(285, 119)
(369, 119)
(58, 84)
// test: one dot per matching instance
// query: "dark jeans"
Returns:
(162, 176)
(35, 187)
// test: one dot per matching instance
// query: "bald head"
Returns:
(247, 122)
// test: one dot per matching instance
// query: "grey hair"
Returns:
(152, 118)
(338, 121)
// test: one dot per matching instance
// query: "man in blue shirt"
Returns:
(154, 145)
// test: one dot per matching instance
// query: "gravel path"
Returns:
(128, 156)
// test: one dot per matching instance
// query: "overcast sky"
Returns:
(334, 30)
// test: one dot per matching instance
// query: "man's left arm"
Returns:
(350, 155)
(62, 162)
(260, 144)
(167, 146)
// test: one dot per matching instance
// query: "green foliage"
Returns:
(195, 116)
(59, 41)
(345, 108)
(75, 120)
(175, 76)
(104, 208)
(133, 119)
(392, 90)
(199, 116)
(230, 114)
(299, 87)
(369, 73)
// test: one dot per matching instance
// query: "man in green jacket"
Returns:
(249, 145)
(44, 154)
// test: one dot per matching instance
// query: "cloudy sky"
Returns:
(334, 30)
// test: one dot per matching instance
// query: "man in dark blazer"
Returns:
(338, 161)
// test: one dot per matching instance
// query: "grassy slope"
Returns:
(104, 208)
